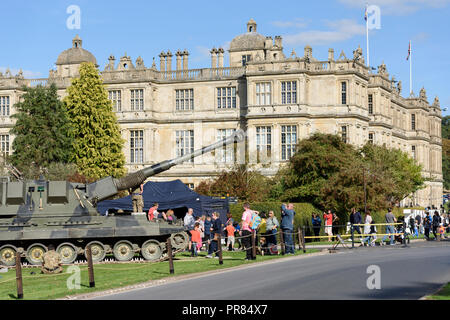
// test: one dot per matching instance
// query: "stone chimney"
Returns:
(214, 58)
(169, 60)
(178, 55)
(278, 42)
(162, 61)
(185, 54)
(308, 52)
(220, 52)
(330, 54)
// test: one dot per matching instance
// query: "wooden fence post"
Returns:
(169, 252)
(283, 247)
(90, 267)
(301, 239)
(19, 276)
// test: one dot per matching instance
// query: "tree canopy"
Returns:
(97, 143)
(240, 181)
(41, 131)
(331, 174)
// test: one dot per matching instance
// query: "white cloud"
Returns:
(340, 30)
(398, 7)
(421, 37)
(26, 73)
(297, 23)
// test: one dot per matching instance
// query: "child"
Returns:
(230, 233)
(196, 239)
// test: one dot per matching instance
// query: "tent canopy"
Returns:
(170, 195)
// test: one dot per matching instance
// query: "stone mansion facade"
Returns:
(276, 98)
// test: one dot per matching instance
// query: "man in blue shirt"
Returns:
(287, 226)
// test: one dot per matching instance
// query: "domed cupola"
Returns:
(251, 40)
(69, 60)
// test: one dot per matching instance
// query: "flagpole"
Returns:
(367, 39)
(410, 69)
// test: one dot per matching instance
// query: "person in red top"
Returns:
(328, 218)
(196, 239)
(152, 212)
(230, 234)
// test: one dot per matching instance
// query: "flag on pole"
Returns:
(409, 51)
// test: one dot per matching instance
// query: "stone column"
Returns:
(169, 60)
(330, 54)
(162, 63)
(178, 57)
(213, 58)
(185, 54)
(220, 52)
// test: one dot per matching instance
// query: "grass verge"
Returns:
(37, 286)
(443, 294)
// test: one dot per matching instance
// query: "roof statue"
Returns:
(139, 63)
(423, 94)
(436, 103)
(382, 69)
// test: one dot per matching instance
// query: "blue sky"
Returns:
(33, 33)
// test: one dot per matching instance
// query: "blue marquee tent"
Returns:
(170, 195)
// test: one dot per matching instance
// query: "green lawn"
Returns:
(41, 286)
(443, 294)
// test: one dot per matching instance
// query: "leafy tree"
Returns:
(240, 181)
(97, 147)
(329, 173)
(41, 131)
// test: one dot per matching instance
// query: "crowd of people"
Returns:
(205, 229)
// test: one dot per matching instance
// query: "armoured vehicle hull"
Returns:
(35, 214)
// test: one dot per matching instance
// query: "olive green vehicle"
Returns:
(34, 214)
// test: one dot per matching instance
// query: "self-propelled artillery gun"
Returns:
(35, 214)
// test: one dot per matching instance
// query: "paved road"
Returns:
(406, 273)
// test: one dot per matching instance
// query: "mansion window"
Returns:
(4, 105)
(288, 141)
(263, 143)
(413, 151)
(116, 97)
(184, 99)
(137, 99)
(263, 93)
(137, 146)
(370, 103)
(344, 134)
(184, 142)
(246, 58)
(371, 138)
(343, 92)
(225, 154)
(226, 98)
(413, 122)
(4, 144)
(288, 92)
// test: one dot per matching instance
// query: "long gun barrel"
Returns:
(109, 186)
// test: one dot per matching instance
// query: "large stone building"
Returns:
(277, 99)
